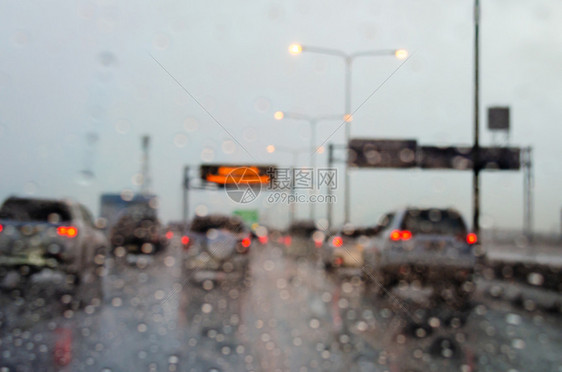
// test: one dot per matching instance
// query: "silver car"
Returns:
(432, 246)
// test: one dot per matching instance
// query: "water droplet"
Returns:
(169, 261)
(180, 140)
(201, 210)
(228, 147)
(250, 134)
(314, 323)
(262, 104)
(208, 154)
(190, 124)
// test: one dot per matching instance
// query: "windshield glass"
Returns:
(434, 221)
(280, 185)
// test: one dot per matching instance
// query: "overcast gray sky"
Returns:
(69, 71)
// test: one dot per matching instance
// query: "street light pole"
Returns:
(347, 188)
(329, 189)
(312, 121)
(476, 148)
(348, 59)
(185, 214)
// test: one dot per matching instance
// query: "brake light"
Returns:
(67, 231)
(472, 238)
(1, 228)
(337, 241)
(406, 235)
(169, 235)
(185, 240)
(287, 240)
(397, 235)
(246, 242)
(263, 239)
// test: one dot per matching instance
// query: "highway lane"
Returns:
(289, 315)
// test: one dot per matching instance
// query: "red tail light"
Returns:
(397, 235)
(406, 235)
(185, 240)
(1, 228)
(244, 245)
(169, 235)
(287, 240)
(263, 239)
(67, 231)
(472, 238)
(337, 241)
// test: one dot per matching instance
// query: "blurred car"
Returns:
(48, 235)
(345, 248)
(260, 234)
(301, 238)
(431, 245)
(138, 231)
(216, 247)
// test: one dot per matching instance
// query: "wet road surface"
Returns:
(287, 315)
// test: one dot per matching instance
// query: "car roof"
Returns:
(66, 201)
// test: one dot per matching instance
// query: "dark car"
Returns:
(51, 236)
(216, 247)
(303, 238)
(137, 231)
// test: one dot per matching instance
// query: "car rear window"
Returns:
(203, 224)
(434, 221)
(27, 210)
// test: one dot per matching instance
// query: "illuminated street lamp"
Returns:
(278, 115)
(401, 53)
(312, 121)
(296, 49)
